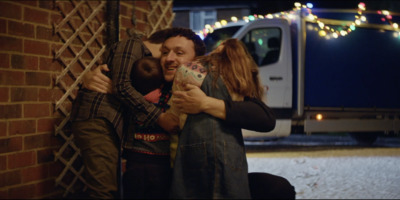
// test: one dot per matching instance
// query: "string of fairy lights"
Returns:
(323, 30)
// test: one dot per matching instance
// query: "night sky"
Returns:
(271, 6)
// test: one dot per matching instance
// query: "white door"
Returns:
(269, 43)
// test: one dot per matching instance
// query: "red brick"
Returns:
(46, 187)
(23, 159)
(38, 78)
(12, 77)
(24, 62)
(10, 44)
(57, 93)
(34, 173)
(37, 141)
(55, 168)
(67, 80)
(22, 127)
(37, 16)
(36, 47)
(141, 26)
(37, 110)
(3, 163)
(3, 26)
(56, 66)
(45, 64)
(10, 111)
(24, 94)
(123, 10)
(46, 155)
(67, 6)
(4, 60)
(56, 18)
(45, 94)
(47, 4)
(46, 125)
(10, 178)
(10, 144)
(28, 2)
(4, 194)
(22, 192)
(139, 16)
(3, 128)
(57, 141)
(4, 94)
(122, 34)
(77, 68)
(8, 10)
(45, 33)
(21, 29)
(142, 4)
(126, 22)
(66, 54)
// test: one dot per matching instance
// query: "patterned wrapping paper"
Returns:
(193, 73)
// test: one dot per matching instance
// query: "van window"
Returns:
(212, 40)
(264, 44)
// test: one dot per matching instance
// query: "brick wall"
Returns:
(28, 94)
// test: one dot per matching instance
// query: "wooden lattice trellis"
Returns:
(158, 16)
(82, 20)
(81, 31)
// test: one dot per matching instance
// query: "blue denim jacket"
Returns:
(211, 159)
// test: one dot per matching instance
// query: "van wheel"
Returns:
(366, 138)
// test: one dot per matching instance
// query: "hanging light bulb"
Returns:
(321, 25)
(363, 19)
(234, 19)
(361, 6)
(322, 33)
(223, 22)
(385, 12)
(251, 18)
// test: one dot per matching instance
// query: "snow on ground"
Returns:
(369, 177)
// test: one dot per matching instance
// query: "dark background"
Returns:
(271, 6)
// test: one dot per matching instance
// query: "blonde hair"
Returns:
(235, 65)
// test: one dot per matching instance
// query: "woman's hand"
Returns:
(190, 101)
(193, 100)
(95, 80)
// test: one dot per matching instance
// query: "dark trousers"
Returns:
(146, 176)
(99, 146)
(268, 186)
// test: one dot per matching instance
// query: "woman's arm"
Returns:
(251, 114)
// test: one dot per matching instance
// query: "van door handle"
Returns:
(275, 78)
